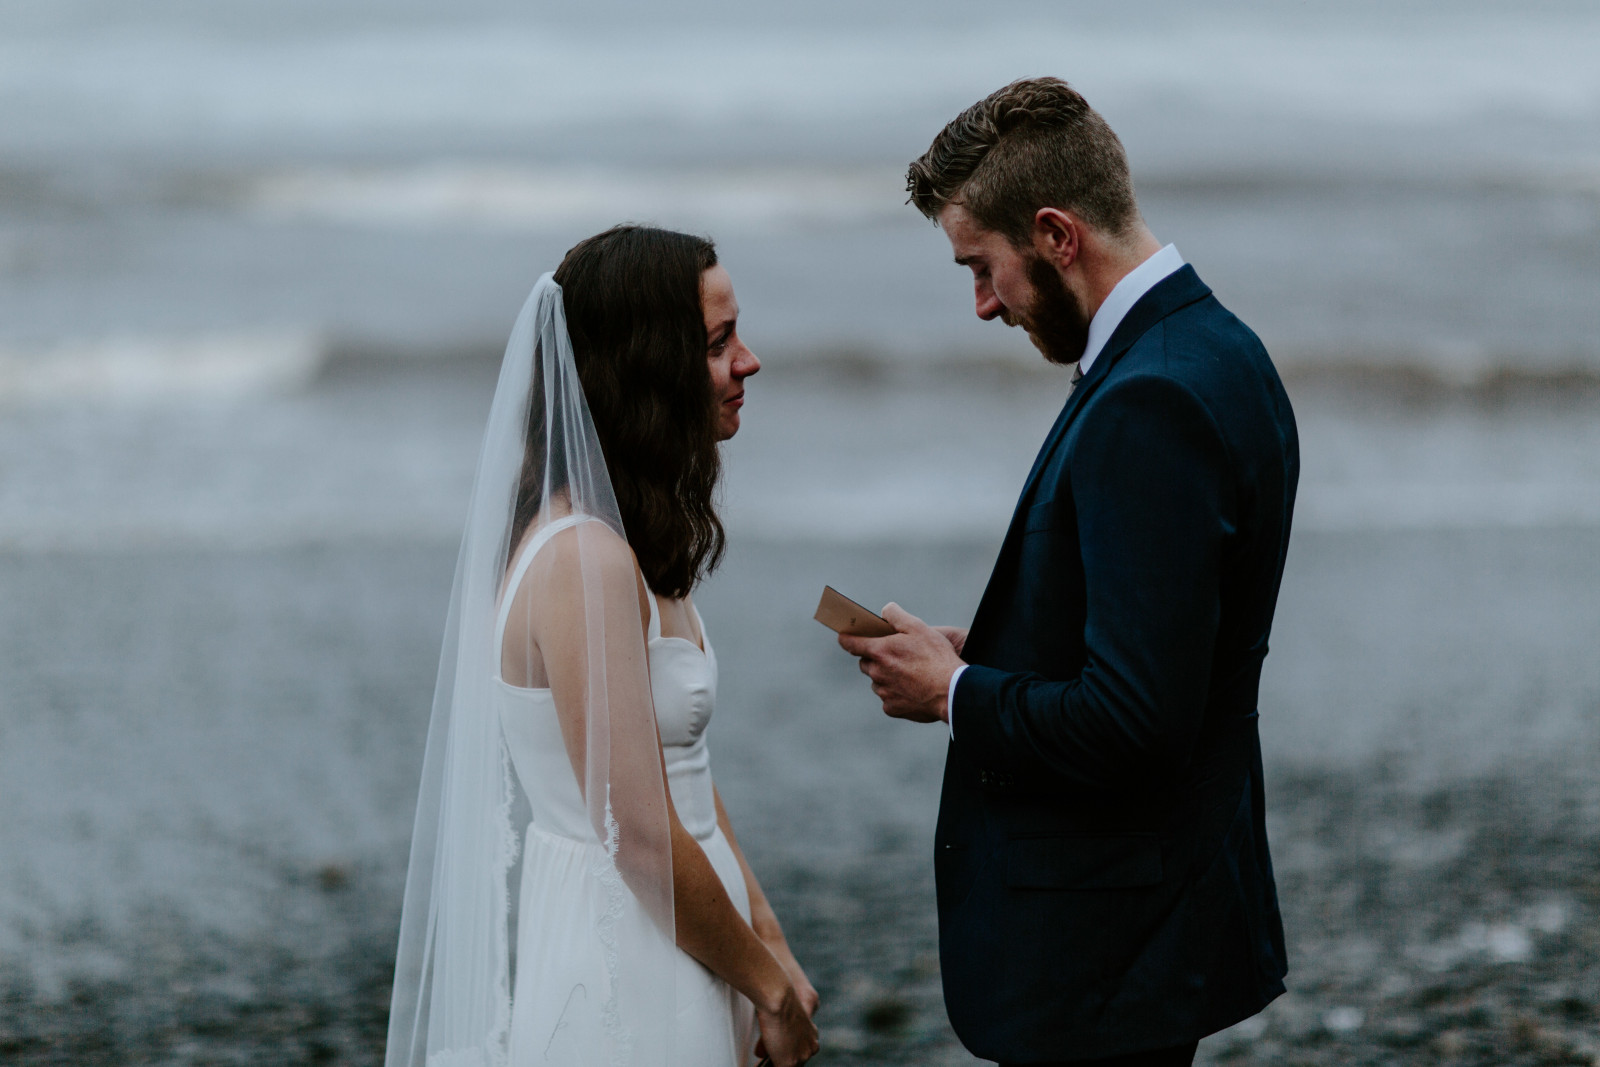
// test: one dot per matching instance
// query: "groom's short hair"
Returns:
(1034, 144)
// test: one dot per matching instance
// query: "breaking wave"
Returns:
(460, 194)
(153, 370)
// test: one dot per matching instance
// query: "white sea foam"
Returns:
(462, 194)
(875, 464)
(931, 464)
(884, 512)
(937, 464)
(153, 370)
(749, 200)
(1419, 504)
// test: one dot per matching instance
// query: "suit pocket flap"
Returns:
(1040, 516)
(1100, 861)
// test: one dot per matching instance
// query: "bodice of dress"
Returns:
(683, 686)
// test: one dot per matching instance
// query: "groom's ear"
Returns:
(1057, 236)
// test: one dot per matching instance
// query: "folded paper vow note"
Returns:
(842, 615)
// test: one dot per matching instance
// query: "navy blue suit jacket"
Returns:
(1101, 857)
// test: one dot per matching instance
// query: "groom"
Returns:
(1105, 892)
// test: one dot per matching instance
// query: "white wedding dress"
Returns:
(561, 940)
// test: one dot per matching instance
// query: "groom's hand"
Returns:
(910, 670)
(955, 635)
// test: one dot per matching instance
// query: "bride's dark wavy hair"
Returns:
(632, 298)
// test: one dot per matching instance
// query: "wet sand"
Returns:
(209, 760)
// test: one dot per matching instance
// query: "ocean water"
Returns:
(204, 207)
(1410, 184)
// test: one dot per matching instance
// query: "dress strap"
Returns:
(705, 638)
(508, 592)
(655, 614)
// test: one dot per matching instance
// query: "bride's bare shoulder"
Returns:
(579, 555)
(589, 543)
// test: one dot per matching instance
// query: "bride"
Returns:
(576, 894)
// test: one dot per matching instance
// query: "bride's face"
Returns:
(731, 362)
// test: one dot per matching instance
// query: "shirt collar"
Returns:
(1137, 282)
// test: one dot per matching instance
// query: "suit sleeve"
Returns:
(1151, 484)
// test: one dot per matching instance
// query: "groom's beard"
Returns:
(1056, 321)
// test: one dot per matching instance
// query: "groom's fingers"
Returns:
(856, 645)
(873, 670)
(883, 661)
(900, 618)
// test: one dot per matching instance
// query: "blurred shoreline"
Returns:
(837, 447)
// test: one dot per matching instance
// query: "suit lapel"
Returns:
(1177, 290)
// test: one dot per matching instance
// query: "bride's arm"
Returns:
(710, 929)
(706, 924)
(764, 920)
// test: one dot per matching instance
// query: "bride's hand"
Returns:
(809, 1000)
(788, 1036)
(779, 947)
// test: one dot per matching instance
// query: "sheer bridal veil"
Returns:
(454, 975)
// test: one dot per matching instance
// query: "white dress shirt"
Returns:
(1137, 282)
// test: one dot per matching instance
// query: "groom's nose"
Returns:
(988, 305)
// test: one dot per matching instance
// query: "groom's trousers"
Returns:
(1181, 1056)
